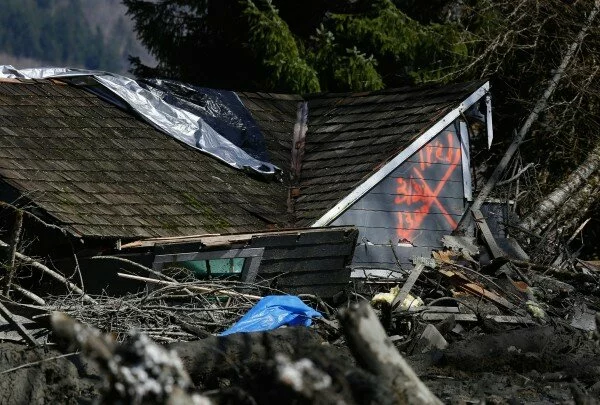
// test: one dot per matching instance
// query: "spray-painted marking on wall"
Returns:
(421, 201)
(417, 194)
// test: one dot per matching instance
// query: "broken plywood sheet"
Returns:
(465, 244)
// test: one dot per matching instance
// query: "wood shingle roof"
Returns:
(350, 136)
(102, 172)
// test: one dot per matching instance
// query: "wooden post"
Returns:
(408, 285)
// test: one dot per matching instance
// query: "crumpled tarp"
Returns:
(213, 121)
(272, 312)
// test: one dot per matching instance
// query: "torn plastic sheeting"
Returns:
(272, 312)
(221, 109)
(180, 123)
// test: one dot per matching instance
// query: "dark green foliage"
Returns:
(402, 47)
(519, 45)
(293, 46)
(54, 31)
(341, 68)
(196, 41)
(277, 52)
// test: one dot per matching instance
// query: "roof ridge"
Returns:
(391, 90)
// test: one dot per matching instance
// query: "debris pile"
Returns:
(455, 329)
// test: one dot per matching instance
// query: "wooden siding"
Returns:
(413, 207)
(312, 260)
(308, 263)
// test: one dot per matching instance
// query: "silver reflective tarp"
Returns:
(181, 123)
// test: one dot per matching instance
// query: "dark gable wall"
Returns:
(418, 203)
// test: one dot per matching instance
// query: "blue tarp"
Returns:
(272, 312)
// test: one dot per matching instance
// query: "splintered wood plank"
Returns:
(6, 314)
(408, 285)
(440, 316)
(469, 286)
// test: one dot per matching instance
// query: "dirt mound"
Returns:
(56, 381)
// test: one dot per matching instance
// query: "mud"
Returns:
(532, 365)
(523, 366)
(243, 368)
(57, 381)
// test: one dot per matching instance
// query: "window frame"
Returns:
(253, 258)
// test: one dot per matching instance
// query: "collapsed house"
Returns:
(313, 187)
(395, 164)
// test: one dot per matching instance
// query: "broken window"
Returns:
(220, 268)
(240, 263)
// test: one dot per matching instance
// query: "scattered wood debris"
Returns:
(454, 317)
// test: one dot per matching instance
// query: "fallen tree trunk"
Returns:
(540, 105)
(39, 266)
(575, 208)
(572, 188)
(372, 348)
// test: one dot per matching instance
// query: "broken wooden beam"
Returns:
(495, 250)
(465, 284)
(510, 319)
(6, 314)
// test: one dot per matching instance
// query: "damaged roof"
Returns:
(102, 172)
(350, 136)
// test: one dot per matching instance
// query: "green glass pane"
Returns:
(218, 267)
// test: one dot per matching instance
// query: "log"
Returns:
(28, 294)
(14, 242)
(578, 206)
(39, 266)
(572, 188)
(374, 351)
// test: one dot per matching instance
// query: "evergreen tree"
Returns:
(293, 46)
(56, 32)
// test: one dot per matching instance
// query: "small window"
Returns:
(220, 268)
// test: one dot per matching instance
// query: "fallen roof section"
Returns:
(299, 261)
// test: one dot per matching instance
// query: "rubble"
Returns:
(482, 313)
(454, 329)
